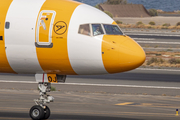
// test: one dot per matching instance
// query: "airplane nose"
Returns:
(131, 55)
(121, 53)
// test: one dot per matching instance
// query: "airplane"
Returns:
(55, 38)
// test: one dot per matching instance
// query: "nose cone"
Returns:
(121, 53)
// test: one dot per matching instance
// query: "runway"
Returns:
(156, 41)
(142, 94)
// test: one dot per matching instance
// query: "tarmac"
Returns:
(141, 94)
(154, 40)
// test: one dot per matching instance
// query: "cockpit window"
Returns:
(84, 29)
(97, 29)
(112, 30)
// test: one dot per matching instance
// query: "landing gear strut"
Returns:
(40, 110)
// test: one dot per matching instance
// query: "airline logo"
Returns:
(60, 27)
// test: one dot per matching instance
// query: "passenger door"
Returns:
(44, 28)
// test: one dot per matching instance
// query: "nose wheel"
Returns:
(40, 110)
(38, 113)
(47, 113)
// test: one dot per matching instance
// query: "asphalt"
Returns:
(156, 41)
(141, 94)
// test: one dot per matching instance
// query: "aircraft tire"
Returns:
(36, 112)
(47, 113)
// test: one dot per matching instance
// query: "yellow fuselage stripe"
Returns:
(4, 65)
(55, 60)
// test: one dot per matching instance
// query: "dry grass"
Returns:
(148, 26)
(162, 59)
(178, 27)
(171, 27)
(164, 27)
(159, 27)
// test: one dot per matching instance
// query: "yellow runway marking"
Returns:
(126, 103)
(154, 105)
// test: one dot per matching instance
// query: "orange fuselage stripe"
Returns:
(4, 64)
(55, 59)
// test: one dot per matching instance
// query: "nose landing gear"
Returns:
(40, 110)
(36, 112)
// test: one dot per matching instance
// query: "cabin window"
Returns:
(112, 30)
(84, 30)
(7, 25)
(1, 37)
(97, 29)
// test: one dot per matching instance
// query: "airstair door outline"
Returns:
(44, 28)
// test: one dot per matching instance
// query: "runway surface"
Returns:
(156, 41)
(142, 94)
